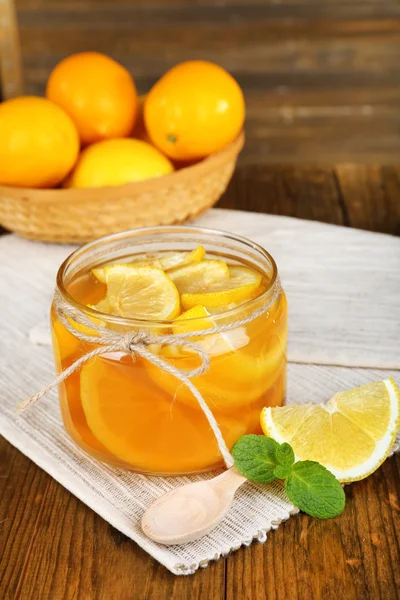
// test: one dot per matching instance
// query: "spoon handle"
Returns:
(228, 482)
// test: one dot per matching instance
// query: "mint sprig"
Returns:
(285, 454)
(308, 484)
(255, 457)
(282, 471)
(315, 490)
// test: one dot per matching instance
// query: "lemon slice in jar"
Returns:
(351, 435)
(140, 292)
(199, 318)
(199, 277)
(163, 260)
(240, 286)
(243, 369)
(136, 421)
(194, 319)
(173, 260)
(236, 377)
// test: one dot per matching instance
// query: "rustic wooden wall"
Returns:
(321, 77)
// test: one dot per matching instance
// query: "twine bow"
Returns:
(137, 343)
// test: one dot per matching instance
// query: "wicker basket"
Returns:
(80, 215)
(75, 215)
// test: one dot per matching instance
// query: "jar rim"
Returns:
(157, 229)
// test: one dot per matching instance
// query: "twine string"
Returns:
(138, 343)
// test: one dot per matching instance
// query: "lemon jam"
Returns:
(126, 411)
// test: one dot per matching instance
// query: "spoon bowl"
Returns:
(191, 511)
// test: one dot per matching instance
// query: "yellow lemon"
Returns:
(195, 109)
(39, 143)
(351, 435)
(98, 93)
(116, 162)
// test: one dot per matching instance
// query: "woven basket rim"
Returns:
(52, 195)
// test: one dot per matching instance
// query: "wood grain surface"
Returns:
(52, 547)
(10, 52)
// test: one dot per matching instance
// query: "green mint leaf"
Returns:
(285, 454)
(314, 490)
(255, 457)
(282, 471)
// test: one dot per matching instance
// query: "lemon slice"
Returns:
(198, 277)
(136, 421)
(68, 344)
(243, 369)
(236, 378)
(102, 306)
(240, 286)
(351, 435)
(163, 260)
(102, 272)
(85, 328)
(198, 318)
(140, 292)
(194, 319)
(173, 260)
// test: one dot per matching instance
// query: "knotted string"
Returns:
(137, 343)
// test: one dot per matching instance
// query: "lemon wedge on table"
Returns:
(238, 287)
(140, 292)
(351, 435)
(163, 260)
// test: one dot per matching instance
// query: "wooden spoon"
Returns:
(191, 511)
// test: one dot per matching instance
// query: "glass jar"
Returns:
(124, 410)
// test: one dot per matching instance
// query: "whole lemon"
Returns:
(98, 93)
(116, 162)
(39, 143)
(195, 109)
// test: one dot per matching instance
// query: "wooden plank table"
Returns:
(52, 547)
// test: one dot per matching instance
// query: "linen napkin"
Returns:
(342, 287)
